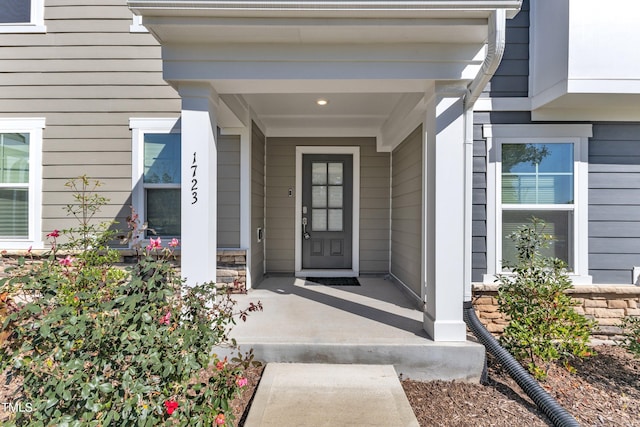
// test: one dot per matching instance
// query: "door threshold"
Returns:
(326, 273)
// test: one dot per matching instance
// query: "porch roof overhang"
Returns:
(373, 60)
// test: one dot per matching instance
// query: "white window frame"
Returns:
(578, 135)
(139, 127)
(36, 25)
(34, 127)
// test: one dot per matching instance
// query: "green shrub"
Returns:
(543, 324)
(631, 332)
(98, 346)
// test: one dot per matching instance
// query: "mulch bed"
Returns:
(605, 391)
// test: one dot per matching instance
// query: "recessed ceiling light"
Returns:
(322, 102)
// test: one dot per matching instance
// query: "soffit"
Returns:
(590, 107)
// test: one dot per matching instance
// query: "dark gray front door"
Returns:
(327, 210)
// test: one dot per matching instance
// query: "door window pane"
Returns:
(163, 211)
(558, 224)
(319, 219)
(319, 196)
(335, 197)
(335, 173)
(14, 213)
(335, 219)
(162, 158)
(319, 173)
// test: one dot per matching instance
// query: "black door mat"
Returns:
(334, 281)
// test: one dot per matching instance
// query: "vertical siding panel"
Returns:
(406, 208)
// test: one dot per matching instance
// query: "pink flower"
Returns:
(154, 244)
(54, 234)
(66, 262)
(220, 420)
(29, 250)
(165, 320)
(170, 405)
(241, 381)
(174, 243)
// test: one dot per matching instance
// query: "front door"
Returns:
(327, 211)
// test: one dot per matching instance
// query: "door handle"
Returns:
(305, 235)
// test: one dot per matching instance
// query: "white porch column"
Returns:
(444, 209)
(199, 183)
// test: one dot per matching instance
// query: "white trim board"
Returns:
(355, 252)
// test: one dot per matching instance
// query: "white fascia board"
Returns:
(332, 5)
(616, 86)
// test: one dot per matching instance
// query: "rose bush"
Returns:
(118, 347)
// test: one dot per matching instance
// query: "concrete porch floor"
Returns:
(374, 323)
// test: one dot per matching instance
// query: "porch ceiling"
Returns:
(368, 58)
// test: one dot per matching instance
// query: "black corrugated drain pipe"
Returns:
(547, 404)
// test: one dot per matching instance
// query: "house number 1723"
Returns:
(194, 180)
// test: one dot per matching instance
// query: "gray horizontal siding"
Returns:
(511, 79)
(479, 209)
(614, 202)
(280, 208)
(228, 230)
(406, 211)
(88, 75)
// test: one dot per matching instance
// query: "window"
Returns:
(22, 16)
(326, 196)
(20, 182)
(537, 180)
(538, 171)
(156, 174)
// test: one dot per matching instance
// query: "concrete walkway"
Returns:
(301, 394)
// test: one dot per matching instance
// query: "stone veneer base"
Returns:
(606, 304)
